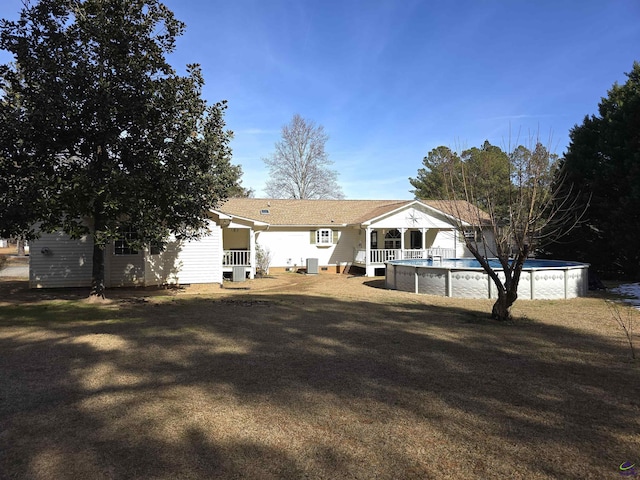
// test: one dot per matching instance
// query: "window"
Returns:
(416, 239)
(324, 237)
(374, 239)
(122, 245)
(471, 235)
(392, 239)
(156, 248)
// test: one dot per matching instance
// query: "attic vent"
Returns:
(264, 211)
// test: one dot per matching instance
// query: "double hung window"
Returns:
(122, 244)
(324, 236)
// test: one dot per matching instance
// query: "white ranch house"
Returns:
(342, 235)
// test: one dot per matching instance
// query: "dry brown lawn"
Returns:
(310, 377)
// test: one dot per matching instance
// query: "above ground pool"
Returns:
(465, 278)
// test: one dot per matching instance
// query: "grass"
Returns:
(310, 377)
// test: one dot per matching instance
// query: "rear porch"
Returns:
(376, 259)
(239, 251)
(386, 244)
(232, 259)
(382, 245)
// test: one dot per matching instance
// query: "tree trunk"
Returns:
(500, 310)
(21, 251)
(508, 294)
(97, 272)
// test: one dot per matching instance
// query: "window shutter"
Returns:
(335, 237)
(312, 237)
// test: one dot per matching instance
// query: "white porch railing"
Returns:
(382, 255)
(233, 258)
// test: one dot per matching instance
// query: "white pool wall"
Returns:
(535, 283)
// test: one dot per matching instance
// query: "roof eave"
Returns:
(310, 225)
(391, 212)
(228, 216)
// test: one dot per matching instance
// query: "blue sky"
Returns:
(390, 80)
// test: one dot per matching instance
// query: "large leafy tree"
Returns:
(299, 167)
(19, 180)
(603, 162)
(99, 131)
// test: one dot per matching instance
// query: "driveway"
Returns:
(15, 271)
(16, 267)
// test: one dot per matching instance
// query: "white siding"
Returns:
(447, 239)
(293, 247)
(68, 263)
(288, 248)
(491, 241)
(345, 249)
(160, 269)
(124, 270)
(197, 261)
(64, 263)
(489, 252)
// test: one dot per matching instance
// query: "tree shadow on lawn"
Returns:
(288, 386)
(379, 283)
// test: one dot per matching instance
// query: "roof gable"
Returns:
(414, 215)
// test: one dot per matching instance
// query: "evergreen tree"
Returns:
(602, 163)
(488, 172)
(429, 184)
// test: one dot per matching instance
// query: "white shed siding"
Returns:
(56, 260)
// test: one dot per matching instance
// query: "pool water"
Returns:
(473, 263)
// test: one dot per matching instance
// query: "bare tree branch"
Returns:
(522, 204)
(299, 166)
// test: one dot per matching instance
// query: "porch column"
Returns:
(402, 232)
(455, 244)
(424, 241)
(252, 253)
(367, 250)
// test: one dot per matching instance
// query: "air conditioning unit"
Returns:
(312, 266)
(238, 274)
